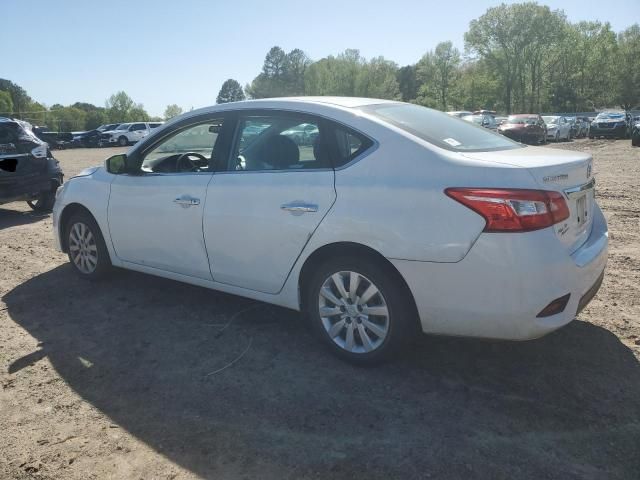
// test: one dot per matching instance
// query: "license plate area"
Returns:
(582, 211)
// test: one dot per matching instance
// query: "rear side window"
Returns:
(440, 129)
(8, 133)
(349, 145)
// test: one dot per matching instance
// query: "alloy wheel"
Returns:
(354, 312)
(83, 248)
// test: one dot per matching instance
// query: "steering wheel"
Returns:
(192, 166)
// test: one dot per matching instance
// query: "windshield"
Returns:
(439, 128)
(124, 126)
(521, 120)
(550, 119)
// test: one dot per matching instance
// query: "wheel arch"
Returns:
(66, 214)
(358, 250)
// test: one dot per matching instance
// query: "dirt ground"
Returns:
(110, 380)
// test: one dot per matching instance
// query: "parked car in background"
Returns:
(28, 170)
(574, 127)
(635, 132)
(557, 128)
(525, 128)
(484, 120)
(460, 114)
(584, 123)
(88, 139)
(609, 125)
(500, 120)
(128, 133)
(55, 140)
(187, 203)
(107, 127)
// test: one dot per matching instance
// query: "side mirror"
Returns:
(116, 164)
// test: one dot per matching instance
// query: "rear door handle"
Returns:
(298, 208)
(186, 201)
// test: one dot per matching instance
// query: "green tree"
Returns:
(19, 97)
(628, 71)
(282, 74)
(171, 111)
(119, 107)
(377, 79)
(407, 82)
(6, 104)
(334, 75)
(138, 114)
(66, 119)
(231, 91)
(437, 72)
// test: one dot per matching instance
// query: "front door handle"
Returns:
(298, 208)
(186, 201)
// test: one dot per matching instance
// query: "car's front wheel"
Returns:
(123, 141)
(360, 310)
(85, 247)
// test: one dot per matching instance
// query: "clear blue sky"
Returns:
(181, 51)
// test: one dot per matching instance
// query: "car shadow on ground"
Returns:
(14, 218)
(141, 350)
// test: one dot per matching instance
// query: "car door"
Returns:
(137, 132)
(155, 211)
(263, 209)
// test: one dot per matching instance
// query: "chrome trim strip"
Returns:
(575, 191)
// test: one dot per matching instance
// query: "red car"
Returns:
(525, 128)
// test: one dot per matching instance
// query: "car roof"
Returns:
(295, 102)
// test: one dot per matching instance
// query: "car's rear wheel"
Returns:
(360, 311)
(85, 247)
(45, 199)
(123, 141)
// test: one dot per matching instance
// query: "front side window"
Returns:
(123, 126)
(440, 129)
(279, 142)
(137, 126)
(190, 149)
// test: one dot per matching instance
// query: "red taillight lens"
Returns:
(513, 210)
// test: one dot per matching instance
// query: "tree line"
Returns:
(521, 57)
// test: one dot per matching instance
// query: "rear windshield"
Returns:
(439, 128)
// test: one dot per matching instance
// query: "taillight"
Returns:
(513, 210)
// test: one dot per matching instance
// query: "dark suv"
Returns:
(28, 171)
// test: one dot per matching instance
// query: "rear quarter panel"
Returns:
(393, 200)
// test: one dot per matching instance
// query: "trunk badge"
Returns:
(556, 178)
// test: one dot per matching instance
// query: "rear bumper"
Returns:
(24, 187)
(505, 280)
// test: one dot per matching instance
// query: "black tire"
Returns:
(635, 141)
(401, 317)
(103, 263)
(46, 199)
(123, 141)
(590, 137)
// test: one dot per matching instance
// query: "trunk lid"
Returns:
(560, 170)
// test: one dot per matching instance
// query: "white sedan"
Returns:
(558, 128)
(378, 219)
